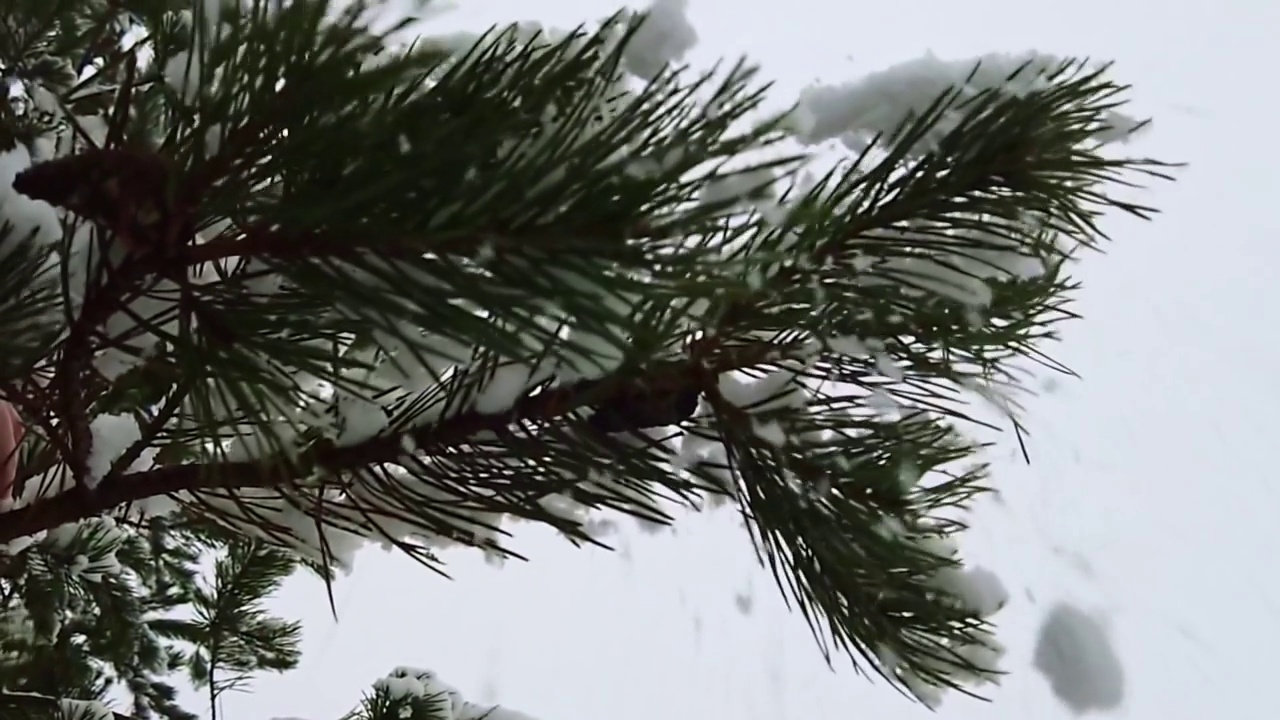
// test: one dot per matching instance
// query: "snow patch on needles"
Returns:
(594, 347)
(977, 587)
(1075, 654)
(259, 441)
(359, 419)
(736, 188)
(508, 383)
(84, 710)
(182, 74)
(973, 662)
(958, 266)
(96, 543)
(34, 219)
(185, 71)
(412, 686)
(290, 525)
(880, 103)
(775, 390)
(68, 708)
(665, 37)
(112, 435)
(377, 496)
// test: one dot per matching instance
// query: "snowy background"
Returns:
(1147, 504)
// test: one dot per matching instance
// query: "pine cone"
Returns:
(126, 191)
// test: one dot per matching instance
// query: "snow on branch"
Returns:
(405, 692)
(883, 102)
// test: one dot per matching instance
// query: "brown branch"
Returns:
(545, 406)
(72, 374)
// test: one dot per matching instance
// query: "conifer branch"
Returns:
(542, 407)
(406, 257)
(23, 706)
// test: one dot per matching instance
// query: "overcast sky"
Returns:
(1150, 493)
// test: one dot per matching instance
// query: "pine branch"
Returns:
(501, 218)
(541, 407)
(28, 706)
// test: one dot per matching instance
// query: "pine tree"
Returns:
(96, 610)
(274, 285)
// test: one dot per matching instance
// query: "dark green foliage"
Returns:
(114, 612)
(403, 225)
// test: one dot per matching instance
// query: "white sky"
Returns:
(1147, 498)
